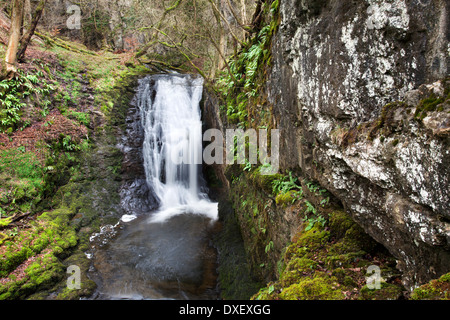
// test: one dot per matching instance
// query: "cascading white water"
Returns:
(172, 150)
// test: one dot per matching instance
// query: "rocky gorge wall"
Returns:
(360, 93)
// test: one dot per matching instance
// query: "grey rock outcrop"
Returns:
(338, 66)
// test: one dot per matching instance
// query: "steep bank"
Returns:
(360, 95)
(73, 129)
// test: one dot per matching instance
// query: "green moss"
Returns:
(45, 271)
(264, 181)
(320, 287)
(346, 276)
(87, 286)
(233, 118)
(339, 223)
(297, 269)
(352, 236)
(387, 291)
(329, 263)
(5, 222)
(348, 259)
(3, 237)
(51, 234)
(438, 289)
(21, 183)
(427, 105)
(383, 124)
(285, 199)
(315, 238)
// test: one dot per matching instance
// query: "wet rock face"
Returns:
(135, 193)
(338, 66)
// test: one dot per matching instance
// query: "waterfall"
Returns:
(172, 150)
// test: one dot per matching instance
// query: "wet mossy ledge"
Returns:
(302, 244)
(81, 182)
(331, 262)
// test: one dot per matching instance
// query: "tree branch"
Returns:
(175, 45)
(27, 36)
(226, 21)
(144, 49)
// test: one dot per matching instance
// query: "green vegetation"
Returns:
(287, 191)
(438, 289)
(263, 203)
(430, 104)
(57, 187)
(13, 93)
(21, 181)
(82, 117)
(45, 143)
(282, 186)
(288, 187)
(330, 264)
(245, 76)
(31, 261)
(319, 287)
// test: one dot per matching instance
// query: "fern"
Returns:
(12, 94)
(315, 218)
(285, 185)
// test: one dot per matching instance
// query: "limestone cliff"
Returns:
(360, 93)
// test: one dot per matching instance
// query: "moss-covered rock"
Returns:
(388, 291)
(313, 239)
(438, 289)
(320, 287)
(296, 269)
(32, 261)
(285, 199)
(264, 181)
(330, 263)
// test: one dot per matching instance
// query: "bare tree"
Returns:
(154, 37)
(204, 32)
(9, 70)
(25, 40)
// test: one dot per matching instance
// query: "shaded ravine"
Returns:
(161, 248)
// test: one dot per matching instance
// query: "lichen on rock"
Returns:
(364, 110)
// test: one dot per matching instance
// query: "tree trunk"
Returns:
(226, 22)
(27, 16)
(221, 48)
(32, 28)
(14, 37)
(244, 15)
(257, 16)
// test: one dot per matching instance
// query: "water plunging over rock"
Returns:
(170, 114)
(163, 253)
